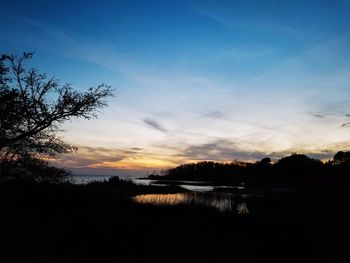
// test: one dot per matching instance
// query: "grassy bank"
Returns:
(100, 223)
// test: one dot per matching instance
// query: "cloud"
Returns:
(95, 160)
(217, 150)
(154, 124)
(137, 162)
(219, 19)
(226, 150)
(136, 149)
(88, 156)
(253, 25)
(243, 54)
(346, 124)
(317, 115)
(214, 114)
(130, 173)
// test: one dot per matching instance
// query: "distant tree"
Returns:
(341, 158)
(297, 162)
(265, 161)
(340, 167)
(301, 168)
(32, 108)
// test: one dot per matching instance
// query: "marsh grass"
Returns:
(99, 223)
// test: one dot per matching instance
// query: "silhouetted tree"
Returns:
(300, 168)
(32, 108)
(340, 167)
(341, 158)
(265, 161)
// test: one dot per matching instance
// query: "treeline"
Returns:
(293, 170)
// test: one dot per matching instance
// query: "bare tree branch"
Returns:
(33, 106)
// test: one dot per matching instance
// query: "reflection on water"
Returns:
(195, 186)
(161, 199)
(222, 202)
(189, 185)
(242, 208)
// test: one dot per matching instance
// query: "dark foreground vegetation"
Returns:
(98, 222)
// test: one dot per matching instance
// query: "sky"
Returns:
(194, 80)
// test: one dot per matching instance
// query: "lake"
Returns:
(85, 179)
(197, 186)
(228, 198)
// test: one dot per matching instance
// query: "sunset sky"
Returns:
(194, 80)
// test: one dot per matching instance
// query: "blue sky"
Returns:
(195, 80)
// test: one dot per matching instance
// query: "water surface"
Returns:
(219, 201)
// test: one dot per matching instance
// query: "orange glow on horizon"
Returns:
(96, 158)
(136, 163)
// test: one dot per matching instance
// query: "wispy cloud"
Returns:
(317, 115)
(253, 25)
(346, 124)
(244, 54)
(154, 124)
(216, 114)
(217, 18)
(89, 156)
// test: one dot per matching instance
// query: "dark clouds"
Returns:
(136, 149)
(83, 160)
(219, 150)
(89, 156)
(225, 150)
(125, 173)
